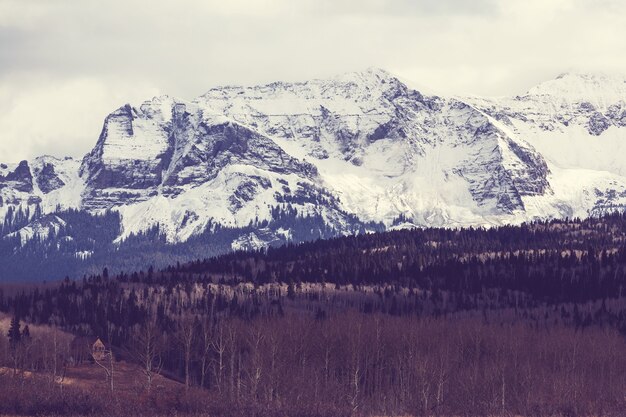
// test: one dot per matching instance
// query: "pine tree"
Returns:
(14, 333)
(26, 332)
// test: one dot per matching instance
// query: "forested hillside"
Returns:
(551, 261)
(35, 247)
(523, 320)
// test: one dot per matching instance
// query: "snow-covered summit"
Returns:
(601, 90)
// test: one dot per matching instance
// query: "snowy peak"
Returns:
(46, 181)
(601, 90)
(348, 92)
(376, 81)
(21, 176)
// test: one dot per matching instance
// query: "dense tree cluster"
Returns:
(18, 217)
(76, 242)
(554, 261)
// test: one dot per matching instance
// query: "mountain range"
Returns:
(358, 152)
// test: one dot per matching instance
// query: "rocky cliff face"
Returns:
(576, 123)
(18, 179)
(358, 146)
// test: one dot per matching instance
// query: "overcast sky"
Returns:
(64, 65)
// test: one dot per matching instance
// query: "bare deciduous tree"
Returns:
(147, 348)
(219, 344)
(185, 334)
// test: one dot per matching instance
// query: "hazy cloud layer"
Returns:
(65, 64)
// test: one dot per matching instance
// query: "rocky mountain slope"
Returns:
(361, 150)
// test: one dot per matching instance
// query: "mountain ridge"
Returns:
(361, 145)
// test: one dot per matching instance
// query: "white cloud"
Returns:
(109, 53)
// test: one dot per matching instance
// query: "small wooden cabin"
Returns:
(98, 350)
(87, 349)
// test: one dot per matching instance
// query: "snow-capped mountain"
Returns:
(361, 147)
